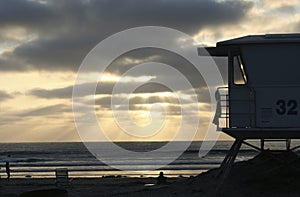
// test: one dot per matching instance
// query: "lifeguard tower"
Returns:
(262, 100)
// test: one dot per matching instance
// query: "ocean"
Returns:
(41, 159)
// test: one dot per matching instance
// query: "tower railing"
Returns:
(223, 105)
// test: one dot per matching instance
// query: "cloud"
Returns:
(264, 17)
(13, 13)
(66, 31)
(59, 93)
(271, 4)
(286, 9)
(186, 15)
(9, 62)
(4, 96)
(56, 110)
(117, 68)
(103, 89)
(57, 113)
(137, 100)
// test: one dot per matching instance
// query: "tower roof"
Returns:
(223, 47)
(262, 39)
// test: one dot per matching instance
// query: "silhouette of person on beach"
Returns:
(161, 179)
(7, 169)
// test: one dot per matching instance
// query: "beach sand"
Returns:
(265, 175)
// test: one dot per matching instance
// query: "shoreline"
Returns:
(267, 174)
(100, 174)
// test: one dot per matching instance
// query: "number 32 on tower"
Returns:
(287, 107)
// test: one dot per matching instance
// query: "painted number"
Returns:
(289, 107)
(292, 104)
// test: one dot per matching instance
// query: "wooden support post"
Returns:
(229, 159)
(288, 144)
(262, 144)
(227, 163)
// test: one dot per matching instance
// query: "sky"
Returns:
(43, 43)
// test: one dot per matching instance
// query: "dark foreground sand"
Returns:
(265, 175)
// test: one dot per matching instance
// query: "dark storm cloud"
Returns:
(49, 17)
(9, 62)
(4, 96)
(67, 30)
(23, 13)
(187, 16)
